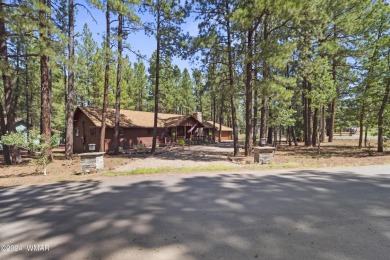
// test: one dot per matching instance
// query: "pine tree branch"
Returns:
(278, 27)
(18, 56)
(143, 57)
(8, 5)
(8, 35)
(89, 12)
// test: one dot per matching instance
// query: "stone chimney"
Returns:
(198, 116)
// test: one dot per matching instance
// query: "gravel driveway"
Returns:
(189, 156)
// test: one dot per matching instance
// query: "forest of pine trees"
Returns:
(307, 67)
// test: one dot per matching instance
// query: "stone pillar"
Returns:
(92, 161)
(263, 155)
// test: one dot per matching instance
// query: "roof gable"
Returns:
(209, 124)
(142, 119)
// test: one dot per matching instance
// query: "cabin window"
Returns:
(121, 132)
(92, 131)
(180, 131)
(77, 131)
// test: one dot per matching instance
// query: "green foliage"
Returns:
(323, 89)
(89, 68)
(139, 146)
(181, 142)
(176, 87)
(32, 141)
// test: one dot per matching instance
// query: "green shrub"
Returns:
(33, 142)
(138, 146)
(181, 142)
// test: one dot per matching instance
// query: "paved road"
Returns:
(334, 213)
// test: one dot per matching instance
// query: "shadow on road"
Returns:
(315, 214)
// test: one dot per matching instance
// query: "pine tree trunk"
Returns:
(45, 83)
(118, 84)
(106, 81)
(10, 153)
(248, 96)
(270, 134)
(156, 91)
(381, 113)
(305, 123)
(70, 94)
(315, 128)
(365, 136)
(275, 131)
(320, 126)
(221, 118)
(309, 118)
(45, 89)
(331, 121)
(214, 117)
(333, 106)
(15, 151)
(6, 82)
(361, 124)
(28, 100)
(234, 125)
(288, 138)
(264, 101)
(322, 136)
(220, 127)
(263, 117)
(293, 136)
(309, 123)
(255, 99)
(65, 82)
(3, 131)
(231, 82)
(280, 135)
(255, 115)
(304, 105)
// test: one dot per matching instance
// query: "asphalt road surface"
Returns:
(338, 213)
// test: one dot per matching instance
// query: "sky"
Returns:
(138, 41)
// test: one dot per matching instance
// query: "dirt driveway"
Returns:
(197, 155)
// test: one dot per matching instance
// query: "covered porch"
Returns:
(185, 128)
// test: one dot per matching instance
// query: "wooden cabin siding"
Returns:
(130, 137)
(83, 133)
(225, 135)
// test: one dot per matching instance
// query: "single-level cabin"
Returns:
(136, 128)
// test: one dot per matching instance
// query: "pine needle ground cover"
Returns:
(338, 153)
